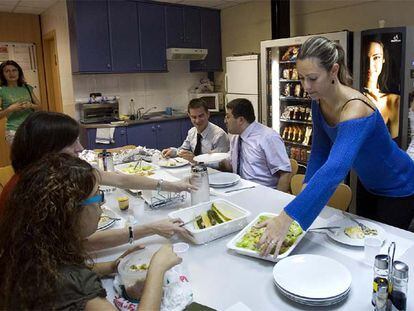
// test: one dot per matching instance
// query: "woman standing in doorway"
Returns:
(17, 100)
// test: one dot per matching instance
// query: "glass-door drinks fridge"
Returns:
(285, 105)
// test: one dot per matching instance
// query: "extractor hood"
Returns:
(186, 54)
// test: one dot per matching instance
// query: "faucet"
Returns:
(138, 113)
(146, 112)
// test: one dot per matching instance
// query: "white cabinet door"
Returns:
(242, 76)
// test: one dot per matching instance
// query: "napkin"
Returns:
(105, 135)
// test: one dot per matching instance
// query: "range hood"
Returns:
(186, 54)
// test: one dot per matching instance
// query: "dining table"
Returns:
(221, 278)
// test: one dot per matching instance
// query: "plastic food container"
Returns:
(244, 251)
(128, 267)
(201, 236)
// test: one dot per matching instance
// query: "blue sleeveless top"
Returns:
(363, 144)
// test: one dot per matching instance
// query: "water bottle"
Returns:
(199, 178)
(106, 163)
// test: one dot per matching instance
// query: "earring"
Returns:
(333, 81)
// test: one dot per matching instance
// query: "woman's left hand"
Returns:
(275, 233)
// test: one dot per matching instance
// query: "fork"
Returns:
(360, 224)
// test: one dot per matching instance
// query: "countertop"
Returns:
(155, 119)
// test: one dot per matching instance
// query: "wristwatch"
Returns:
(159, 184)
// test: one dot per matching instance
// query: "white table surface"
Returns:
(221, 278)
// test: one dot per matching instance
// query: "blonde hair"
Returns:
(328, 53)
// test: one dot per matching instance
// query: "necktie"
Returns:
(239, 154)
(197, 150)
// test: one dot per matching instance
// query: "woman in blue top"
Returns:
(348, 132)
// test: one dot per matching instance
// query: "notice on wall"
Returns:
(22, 57)
(4, 53)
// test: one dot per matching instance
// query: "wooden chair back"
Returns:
(294, 165)
(340, 199)
(6, 172)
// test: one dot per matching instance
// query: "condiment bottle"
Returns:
(199, 178)
(399, 286)
(105, 161)
(380, 275)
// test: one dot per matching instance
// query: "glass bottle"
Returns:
(380, 275)
(199, 178)
(399, 285)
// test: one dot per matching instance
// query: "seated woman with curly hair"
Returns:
(54, 206)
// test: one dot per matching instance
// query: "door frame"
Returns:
(52, 73)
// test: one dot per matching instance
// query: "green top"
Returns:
(11, 95)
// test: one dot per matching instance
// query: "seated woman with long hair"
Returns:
(49, 132)
(54, 206)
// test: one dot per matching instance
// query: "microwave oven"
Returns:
(214, 100)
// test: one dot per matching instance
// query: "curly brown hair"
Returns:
(39, 230)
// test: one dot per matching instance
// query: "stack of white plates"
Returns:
(312, 280)
(223, 180)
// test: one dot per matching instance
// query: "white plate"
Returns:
(312, 276)
(173, 162)
(221, 180)
(340, 236)
(248, 252)
(313, 302)
(123, 167)
(107, 223)
(211, 157)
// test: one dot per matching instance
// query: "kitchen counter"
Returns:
(220, 278)
(156, 118)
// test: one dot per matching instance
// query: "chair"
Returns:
(294, 165)
(296, 183)
(126, 147)
(6, 172)
(340, 199)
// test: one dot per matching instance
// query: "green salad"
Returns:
(253, 235)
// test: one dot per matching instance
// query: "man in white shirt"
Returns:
(204, 137)
(257, 152)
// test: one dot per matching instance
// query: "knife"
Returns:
(238, 189)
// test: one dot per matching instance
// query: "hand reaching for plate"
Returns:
(275, 233)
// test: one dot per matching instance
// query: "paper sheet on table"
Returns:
(221, 192)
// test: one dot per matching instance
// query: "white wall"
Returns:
(147, 89)
(56, 18)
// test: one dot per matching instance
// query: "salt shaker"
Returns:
(199, 178)
(399, 285)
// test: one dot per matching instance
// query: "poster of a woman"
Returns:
(380, 73)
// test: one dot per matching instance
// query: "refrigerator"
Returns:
(285, 106)
(242, 80)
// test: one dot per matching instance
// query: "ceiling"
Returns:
(39, 6)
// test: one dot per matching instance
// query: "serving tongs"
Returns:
(138, 162)
(190, 221)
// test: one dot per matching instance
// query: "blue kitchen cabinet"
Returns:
(210, 40)
(156, 135)
(218, 119)
(143, 135)
(89, 36)
(125, 43)
(169, 134)
(151, 21)
(185, 127)
(183, 26)
(120, 139)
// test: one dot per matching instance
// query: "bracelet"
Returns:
(160, 182)
(131, 235)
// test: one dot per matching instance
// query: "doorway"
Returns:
(53, 90)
